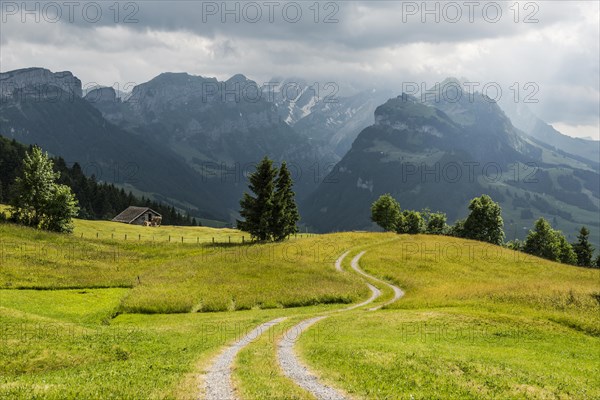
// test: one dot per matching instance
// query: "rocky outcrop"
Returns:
(32, 79)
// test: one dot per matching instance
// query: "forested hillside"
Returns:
(97, 200)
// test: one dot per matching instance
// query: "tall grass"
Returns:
(441, 271)
(477, 321)
(176, 278)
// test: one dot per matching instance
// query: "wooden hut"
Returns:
(139, 216)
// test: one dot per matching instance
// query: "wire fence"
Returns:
(219, 240)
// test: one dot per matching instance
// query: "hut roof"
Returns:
(131, 213)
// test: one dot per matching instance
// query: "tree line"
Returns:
(484, 223)
(27, 172)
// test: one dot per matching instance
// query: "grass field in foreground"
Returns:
(477, 321)
(53, 350)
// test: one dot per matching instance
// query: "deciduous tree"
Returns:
(39, 201)
(485, 222)
(385, 212)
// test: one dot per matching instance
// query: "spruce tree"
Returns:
(257, 210)
(583, 249)
(285, 214)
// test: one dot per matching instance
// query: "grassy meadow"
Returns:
(477, 321)
(76, 354)
(86, 316)
(184, 277)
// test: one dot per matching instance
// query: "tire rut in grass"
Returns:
(398, 293)
(289, 362)
(293, 368)
(298, 372)
(217, 383)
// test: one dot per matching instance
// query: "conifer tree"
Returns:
(257, 210)
(583, 249)
(285, 214)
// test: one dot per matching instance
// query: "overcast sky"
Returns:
(549, 50)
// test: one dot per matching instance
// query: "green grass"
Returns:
(442, 271)
(136, 356)
(144, 319)
(291, 274)
(90, 306)
(54, 350)
(477, 321)
(190, 234)
(256, 371)
(87, 342)
(177, 278)
(455, 353)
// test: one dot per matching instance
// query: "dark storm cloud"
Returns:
(357, 25)
(358, 44)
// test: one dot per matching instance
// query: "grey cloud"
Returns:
(370, 46)
(363, 24)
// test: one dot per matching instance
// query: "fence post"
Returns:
(197, 240)
(140, 236)
(169, 238)
(96, 235)
(182, 239)
(243, 239)
(112, 235)
(213, 240)
(125, 236)
(229, 239)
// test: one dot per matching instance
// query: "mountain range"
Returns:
(190, 141)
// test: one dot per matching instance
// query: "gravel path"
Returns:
(338, 262)
(398, 293)
(218, 378)
(292, 367)
(296, 371)
(375, 293)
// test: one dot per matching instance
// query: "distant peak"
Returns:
(34, 76)
(164, 76)
(237, 78)
(450, 81)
